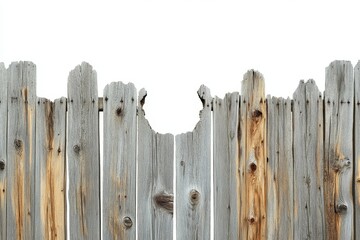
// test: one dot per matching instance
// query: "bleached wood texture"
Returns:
(193, 179)
(357, 150)
(309, 219)
(339, 107)
(253, 157)
(279, 173)
(226, 164)
(119, 179)
(155, 180)
(20, 202)
(3, 157)
(83, 154)
(50, 169)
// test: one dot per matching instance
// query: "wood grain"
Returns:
(3, 144)
(20, 202)
(155, 180)
(280, 172)
(83, 154)
(50, 169)
(226, 164)
(253, 157)
(193, 179)
(309, 219)
(339, 108)
(119, 179)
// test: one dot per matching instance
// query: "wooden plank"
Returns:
(272, 170)
(357, 150)
(308, 162)
(50, 208)
(253, 157)
(3, 143)
(83, 154)
(155, 195)
(193, 179)
(119, 179)
(339, 108)
(285, 175)
(21, 150)
(226, 165)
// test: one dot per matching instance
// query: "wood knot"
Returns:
(341, 208)
(253, 167)
(18, 145)
(256, 114)
(194, 197)
(165, 201)
(2, 164)
(251, 220)
(76, 148)
(119, 112)
(127, 222)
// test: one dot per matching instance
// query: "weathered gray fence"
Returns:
(283, 168)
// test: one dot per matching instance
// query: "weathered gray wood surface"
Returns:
(119, 179)
(20, 215)
(3, 143)
(226, 164)
(339, 107)
(50, 198)
(309, 219)
(193, 179)
(253, 157)
(83, 154)
(280, 171)
(155, 180)
(357, 150)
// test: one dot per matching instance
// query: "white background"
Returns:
(172, 47)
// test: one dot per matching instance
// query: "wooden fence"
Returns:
(283, 168)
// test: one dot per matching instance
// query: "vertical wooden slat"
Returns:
(193, 159)
(50, 169)
(273, 168)
(226, 165)
(3, 157)
(357, 150)
(253, 157)
(83, 154)
(119, 180)
(339, 107)
(21, 150)
(308, 162)
(155, 180)
(285, 173)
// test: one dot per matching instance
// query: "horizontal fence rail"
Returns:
(282, 168)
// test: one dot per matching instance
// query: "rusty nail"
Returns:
(127, 222)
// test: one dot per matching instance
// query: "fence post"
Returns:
(155, 180)
(193, 179)
(21, 150)
(227, 191)
(3, 143)
(119, 179)
(83, 153)
(253, 157)
(339, 107)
